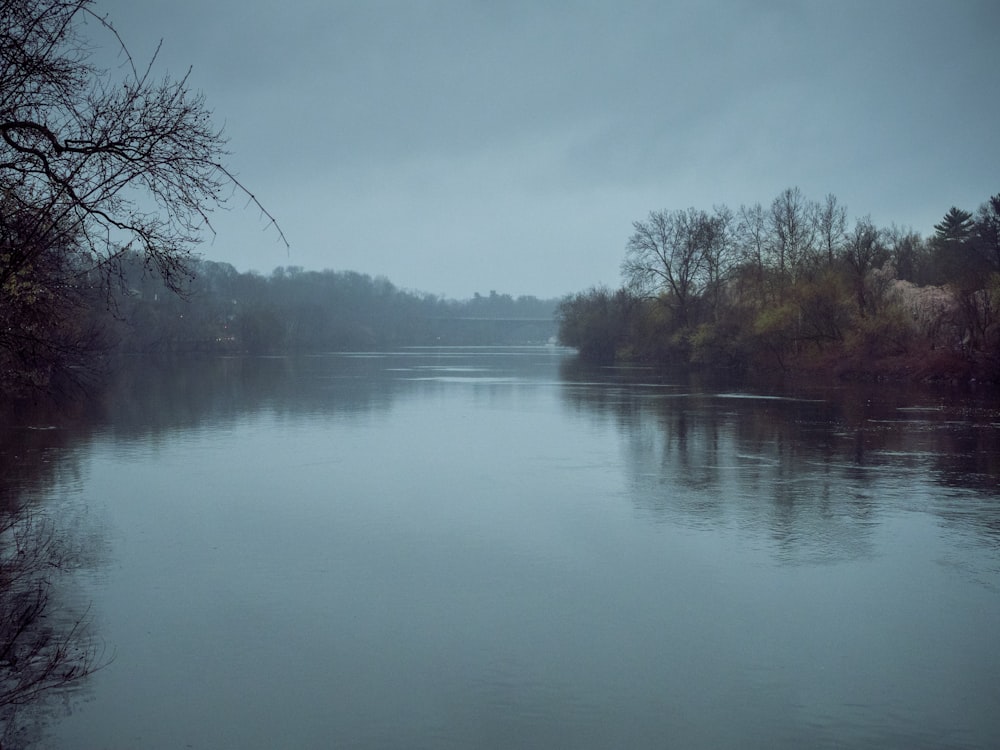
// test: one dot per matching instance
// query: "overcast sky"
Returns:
(459, 147)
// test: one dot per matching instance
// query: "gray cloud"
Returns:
(462, 146)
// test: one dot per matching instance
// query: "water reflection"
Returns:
(812, 472)
(460, 548)
(47, 645)
(151, 396)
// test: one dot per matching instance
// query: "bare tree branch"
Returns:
(101, 164)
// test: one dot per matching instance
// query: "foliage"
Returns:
(596, 322)
(956, 226)
(45, 324)
(874, 338)
(775, 332)
(721, 345)
(655, 334)
(293, 310)
(823, 308)
(792, 287)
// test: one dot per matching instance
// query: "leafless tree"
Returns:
(719, 239)
(792, 235)
(864, 250)
(752, 244)
(47, 324)
(39, 650)
(987, 231)
(831, 226)
(906, 251)
(677, 255)
(96, 164)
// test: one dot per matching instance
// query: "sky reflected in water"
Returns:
(499, 548)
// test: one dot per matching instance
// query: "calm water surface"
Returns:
(500, 549)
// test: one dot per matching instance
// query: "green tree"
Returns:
(596, 322)
(45, 321)
(956, 226)
(955, 259)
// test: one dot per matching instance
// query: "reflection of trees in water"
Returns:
(46, 643)
(44, 639)
(155, 395)
(737, 463)
(152, 395)
(810, 474)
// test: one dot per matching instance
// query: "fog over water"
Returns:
(502, 548)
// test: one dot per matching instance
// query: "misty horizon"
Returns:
(456, 147)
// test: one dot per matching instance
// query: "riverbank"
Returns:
(941, 367)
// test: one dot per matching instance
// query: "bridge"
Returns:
(471, 331)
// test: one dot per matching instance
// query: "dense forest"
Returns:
(294, 310)
(793, 287)
(220, 310)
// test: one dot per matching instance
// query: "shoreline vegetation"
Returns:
(791, 290)
(291, 311)
(109, 177)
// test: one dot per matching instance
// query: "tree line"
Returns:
(109, 176)
(295, 310)
(794, 285)
(108, 179)
(101, 165)
(221, 310)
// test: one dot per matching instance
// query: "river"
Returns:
(501, 548)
